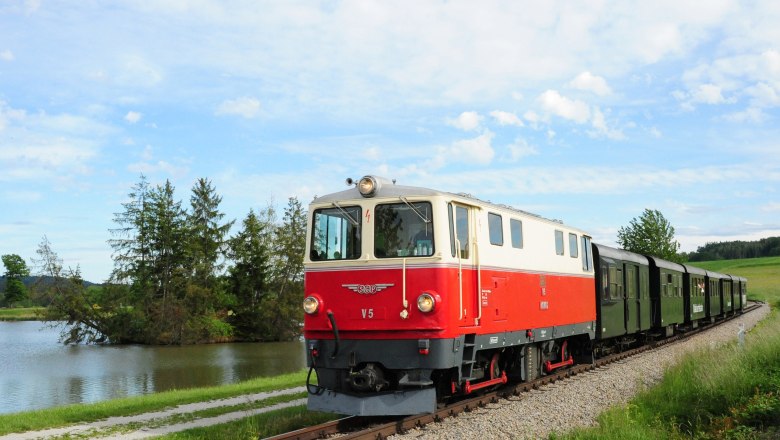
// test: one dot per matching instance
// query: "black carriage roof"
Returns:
(666, 264)
(694, 269)
(621, 254)
(391, 190)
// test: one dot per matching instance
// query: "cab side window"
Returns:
(558, 242)
(496, 229)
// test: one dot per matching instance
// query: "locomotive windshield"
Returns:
(403, 230)
(336, 234)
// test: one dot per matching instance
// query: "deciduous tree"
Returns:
(15, 271)
(650, 234)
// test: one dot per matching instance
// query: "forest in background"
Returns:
(179, 277)
(735, 250)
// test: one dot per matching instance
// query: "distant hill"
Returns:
(29, 281)
(735, 250)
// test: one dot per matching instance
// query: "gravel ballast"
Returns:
(577, 401)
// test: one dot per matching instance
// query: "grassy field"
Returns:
(725, 393)
(20, 314)
(763, 275)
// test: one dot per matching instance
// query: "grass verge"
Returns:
(70, 414)
(21, 314)
(726, 393)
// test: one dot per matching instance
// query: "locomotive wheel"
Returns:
(494, 368)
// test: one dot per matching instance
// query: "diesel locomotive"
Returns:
(414, 296)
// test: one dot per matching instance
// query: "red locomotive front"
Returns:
(411, 298)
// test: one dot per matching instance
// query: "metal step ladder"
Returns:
(469, 357)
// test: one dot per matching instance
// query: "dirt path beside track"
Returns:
(163, 422)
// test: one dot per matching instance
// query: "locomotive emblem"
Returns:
(367, 289)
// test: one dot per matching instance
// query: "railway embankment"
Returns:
(585, 400)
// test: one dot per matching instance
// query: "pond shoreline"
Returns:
(40, 372)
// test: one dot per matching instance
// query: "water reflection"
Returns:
(37, 372)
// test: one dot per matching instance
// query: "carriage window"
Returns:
(496, 229)
(403, 230)
(559, 242)
(516, 230)
(573, 245)
(336, 234)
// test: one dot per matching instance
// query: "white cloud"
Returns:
(133, 117)
(47, 147)
(477, 150)
(22, 196)
(137, 71)
(599, 123)
(532, 117)
(7, 55)
(592, 83)
(708, 94)
(751, 114)
(8, 115)
(466, 121)
(763, 95)
(520, 149)
(571, 109)
(771, 207)
(161, 166)
(506, 118)
(245, 107)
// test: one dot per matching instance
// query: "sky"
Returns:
(588, 112)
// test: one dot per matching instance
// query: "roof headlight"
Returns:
(311, 305)
(426, 302)
(368, 186)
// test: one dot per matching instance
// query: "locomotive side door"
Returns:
(464, 248)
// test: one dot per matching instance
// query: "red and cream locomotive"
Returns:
(414, 295)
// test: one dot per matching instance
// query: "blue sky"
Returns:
(588, 112)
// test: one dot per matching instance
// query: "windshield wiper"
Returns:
(343, 211)
(416, 211)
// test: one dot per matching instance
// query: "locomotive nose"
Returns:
(370, 378)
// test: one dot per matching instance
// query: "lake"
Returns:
(38, 372)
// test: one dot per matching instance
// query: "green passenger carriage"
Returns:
(694, 287)
(666, 290)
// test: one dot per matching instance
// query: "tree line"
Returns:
(180, 278)
(732, 250)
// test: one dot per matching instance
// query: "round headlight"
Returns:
(425, 302)
(311, 305)
(367, 186)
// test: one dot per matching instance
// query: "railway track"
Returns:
(376, 428)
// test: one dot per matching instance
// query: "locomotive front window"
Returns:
(336, 234)
(403, 230)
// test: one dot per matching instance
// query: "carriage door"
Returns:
(464, 249)
(632, 300)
